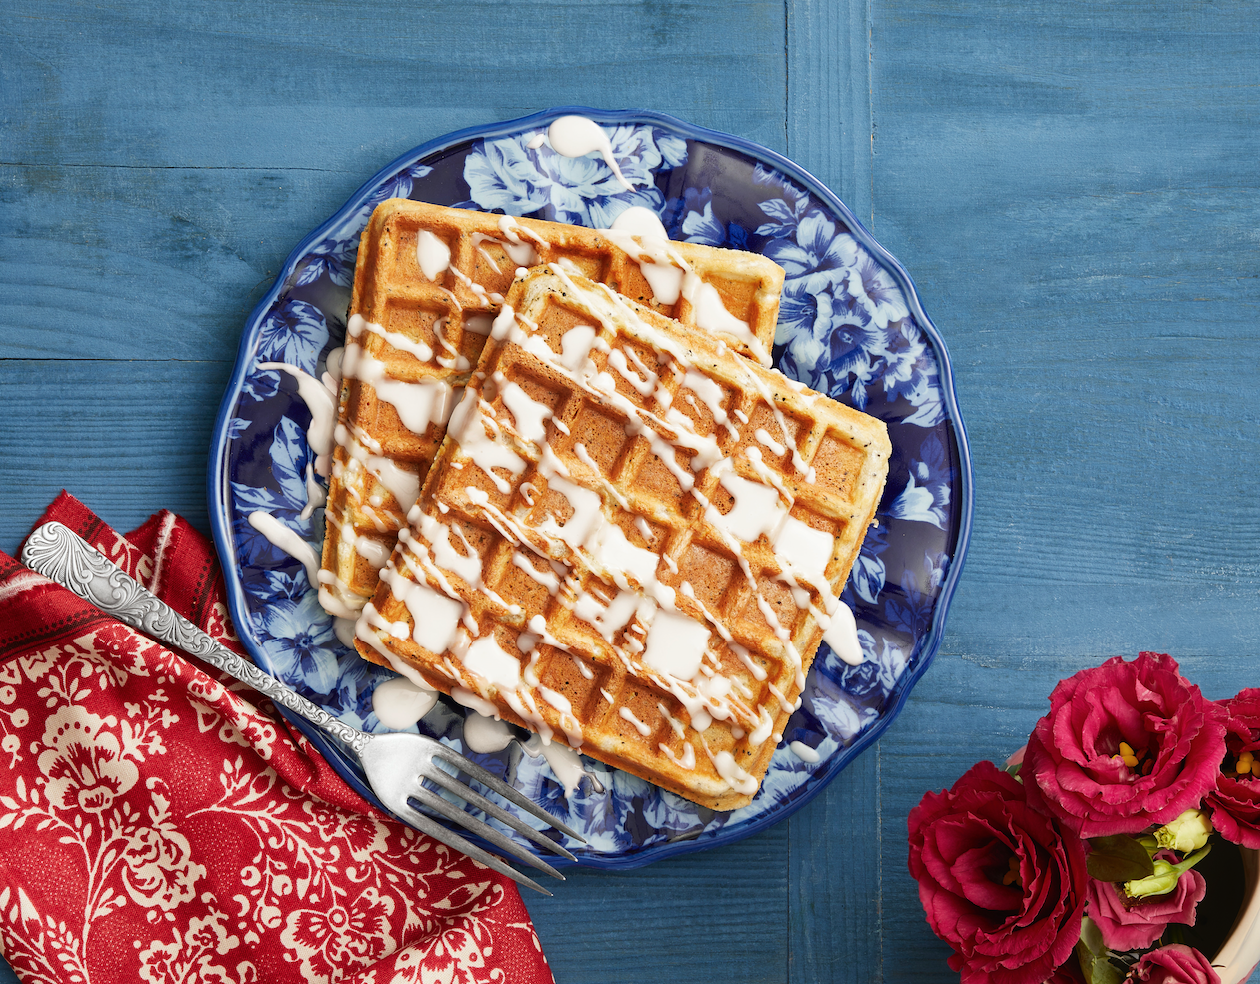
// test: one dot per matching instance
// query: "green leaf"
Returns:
(1118, 858)
(1096, 967)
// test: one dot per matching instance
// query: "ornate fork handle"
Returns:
(61, 555)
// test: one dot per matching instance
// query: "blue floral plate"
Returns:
(850, 325)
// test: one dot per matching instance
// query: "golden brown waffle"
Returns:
(427, 282)
(631, 540)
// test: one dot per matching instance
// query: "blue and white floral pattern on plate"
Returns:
(850, 325)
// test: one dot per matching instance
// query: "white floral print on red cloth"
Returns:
(159, 823)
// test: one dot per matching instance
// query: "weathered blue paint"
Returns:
(1074, 187)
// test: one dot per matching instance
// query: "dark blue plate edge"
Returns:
(218, 482)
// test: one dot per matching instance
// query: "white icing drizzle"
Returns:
(433, 255)
(358, 324)
(712, 315)
(842, 636)
(568, 723)
(288, 541)
(587, 512)
(371, 619)
(644, 384)
(628, 715)
(399, 703)
(675, 645)
(403, 485)
(343, 629)
(806, 550)
(686, 761)
(756, 509)
(484, 296)
(564, 761)
(453, 360)
(418, 404)
(639, 233)
(468, 428)
(486, 735)
(615, 553)
(804, 752)
(575, 347)
(638, 220)
(529, 415)
(435, 618)
(763, 435)
(785, 705)
(316, 494)
(466, 698)
(321, 401)
(763, 730)
(577, 136)
(478, 324)
(373, 551)
(547, 579)
(678, 726)
(336, 598)
(512, 231)
(608, 619)
(742, 654)
(731, 773)
(522, 254)
(331, 377)
(492, 662)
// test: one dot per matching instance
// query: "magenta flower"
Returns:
(1174, 964)
(998, 880)
(1235, 803)
(1134, 925)
(1125, 745)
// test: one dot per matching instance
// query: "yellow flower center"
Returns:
(1138, 761)
(1012, 875)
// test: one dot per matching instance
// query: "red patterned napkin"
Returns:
(160, 822)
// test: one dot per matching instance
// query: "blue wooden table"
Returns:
(1075, 188)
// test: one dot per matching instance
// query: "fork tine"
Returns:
(474, 798)
(480, 828)
(451, 839)
(492, 781)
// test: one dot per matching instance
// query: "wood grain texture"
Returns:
(707, 918)
(1073, 188)
(829, 96)
(127, 438)
(835, 916)
(1098, 181)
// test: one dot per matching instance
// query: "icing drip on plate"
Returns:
(577, 136)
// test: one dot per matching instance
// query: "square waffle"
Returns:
(427, 284)
(631, 540)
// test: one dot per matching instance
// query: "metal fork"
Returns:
(395, 764)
